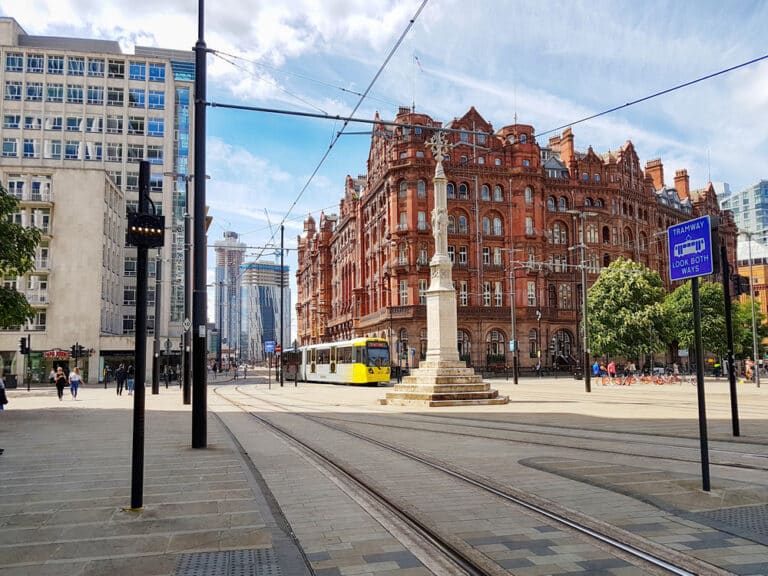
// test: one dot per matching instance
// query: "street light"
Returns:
(585, 328)
(752, 301)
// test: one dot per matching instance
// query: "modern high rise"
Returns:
(77, 117)
(230, 253)
(750, 210)
(262, 303)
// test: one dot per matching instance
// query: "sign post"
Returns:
(690, 256)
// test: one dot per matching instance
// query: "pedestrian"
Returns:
(61, 381)
(612, 369)
(74, 382)
(129, 379)
(245, 371)
(215, 369)
(595, 369)
(3, 397)
(538, 368)
(120, 379)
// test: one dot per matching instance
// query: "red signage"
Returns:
(56, 354)
(278, 349)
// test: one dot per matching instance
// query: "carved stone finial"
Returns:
(439, 146)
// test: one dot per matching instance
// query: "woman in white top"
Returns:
(74, 382)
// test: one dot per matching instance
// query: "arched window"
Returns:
(523, 138)
(485, 192)
(451, 225)
(551, 203)
(596, 177)
(450, 190)
(494, 346)
(598, 203)
(606, 260)
(528, 195)
(464, 345)
(421, 189)
(463, 226)
(565, 300)
(403, 189)
(629, 241)
(606, 235)
(463, 191)
(562, 204)
(529, 231)
(498, 228)
(584, 176)
(486, 226)
(587, 202)
(498, 194)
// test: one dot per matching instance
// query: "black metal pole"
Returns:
(199, 298)
(700, 385)
(140, 351)
(187, 344)
(156, 340)
(726, 272)
(282, 301)
(28, 362)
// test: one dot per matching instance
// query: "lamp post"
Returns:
(752, 302)
(581, 215)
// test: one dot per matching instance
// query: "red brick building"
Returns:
(516, 211)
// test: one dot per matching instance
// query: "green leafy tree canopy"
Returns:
(678, 310)
(17, 257)
(625, 310)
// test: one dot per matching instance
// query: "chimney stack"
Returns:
(682, 184)
(655, 169)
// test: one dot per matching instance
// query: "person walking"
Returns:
(61, 381)
(129, 380)
(612, 369)
(120, 379)
(74, 382)
(595, 369)
(3, 397)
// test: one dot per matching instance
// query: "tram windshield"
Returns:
(377, 354)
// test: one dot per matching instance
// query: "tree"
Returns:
(625, 312)
(678, 310)
(17, 257)
(741, 315)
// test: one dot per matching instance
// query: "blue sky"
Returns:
(551, 63)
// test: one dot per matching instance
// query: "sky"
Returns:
(550, 64)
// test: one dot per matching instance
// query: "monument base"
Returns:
(443, 383)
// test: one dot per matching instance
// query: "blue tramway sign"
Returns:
(269, 346)
(690, 249)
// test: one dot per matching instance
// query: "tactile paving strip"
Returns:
(251, 562)
(749, 520)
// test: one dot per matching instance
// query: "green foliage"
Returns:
(741, 319)
(678, 311)
(17, 257)
(625, 310)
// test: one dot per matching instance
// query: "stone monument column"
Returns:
(442, 379)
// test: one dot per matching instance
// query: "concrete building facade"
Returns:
(265, 293)
(230, 253)
(517, 212)
(77, 117)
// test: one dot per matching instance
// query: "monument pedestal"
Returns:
(443, 383)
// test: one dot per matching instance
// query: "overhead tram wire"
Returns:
(656, 94)
(297, 75)
(411, 22)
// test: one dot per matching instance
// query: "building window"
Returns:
(75, 65)
(531, 293)
(551, 204)
(137, 71)
(463, 191)
(115, 96)
(451, 225)
(486, 226)
(156, 72)
(463, 226)
(75, 93)
(136, 98)
(452, 254)
(114, 152)
(114, 124)
(529, 226)
(129, 324)
(55, 64)
(423, 258)
(31, 148)
(129, 267)
(402, 254)
(403, 190)
(135, 152)
(95, 67)
(14, 62)
(463, 299)
(497, 256)
(11, 120)
(136, 125)
(498, 194)
(485, 192)
(486, 255)
(403, 293)
(116, 69)
(421, 189)
(562, 204)
(13, 90)
(497, 294)
(35, 63)
(422, 220)
(494, 344)
(74, 123)
(33, 122)
(498, 228)
(422, 291)
(565, 297)
(93, 150)
(10, 147)
(486, 293)
(155, 126)
(462, 255)
(96, 95)
(450, 190)
(532, 346)
(129, 296)
(34, 91)
(72, 150)
(156, 100)
(52, 149)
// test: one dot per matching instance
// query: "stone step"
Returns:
(442, 380)
(442, 388)
(418, 395)
(438, 403)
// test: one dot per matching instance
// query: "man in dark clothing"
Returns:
(120, 379)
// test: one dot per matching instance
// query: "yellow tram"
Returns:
(357, 361)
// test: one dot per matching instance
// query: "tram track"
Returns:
(652, 557)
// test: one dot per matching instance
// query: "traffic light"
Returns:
(73, 351)
(23, 345)
(145, 230)
(740, 285)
